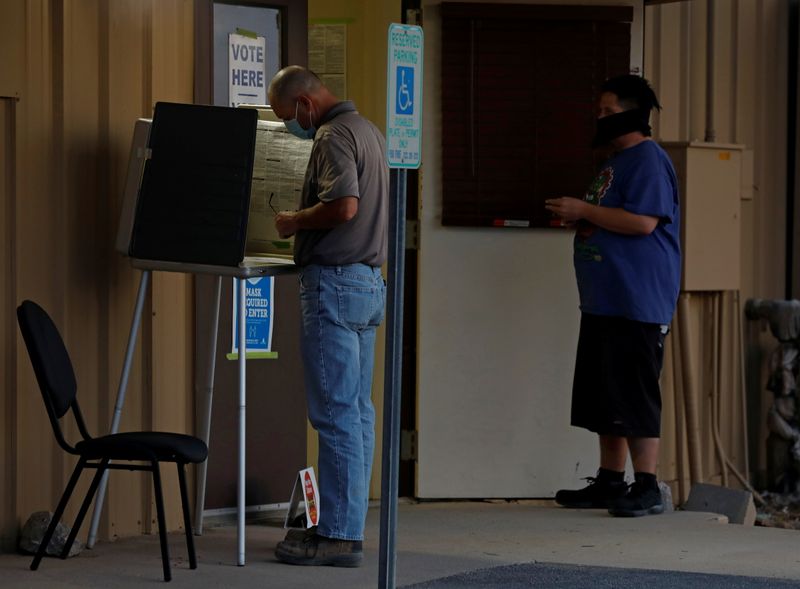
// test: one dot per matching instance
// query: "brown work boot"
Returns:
(300, 533)
(311, 549)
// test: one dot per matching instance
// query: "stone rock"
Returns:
(34, 529)
(737, 505)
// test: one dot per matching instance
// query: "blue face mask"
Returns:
(294, 127)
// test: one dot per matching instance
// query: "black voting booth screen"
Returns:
(195, 194)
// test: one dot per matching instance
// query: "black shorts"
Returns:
(616, 386)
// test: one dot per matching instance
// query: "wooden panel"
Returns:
(8, 328)
(652, 59)
(77, 101)
(172, 333)
(725, 71)
(747, 61)
(696, 65)
(172, 337)
(12, 27)
(125, 79)
(746, 89)
(670, 64)
(39, 259)
(173, 43)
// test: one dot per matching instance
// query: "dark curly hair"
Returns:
(632, 92)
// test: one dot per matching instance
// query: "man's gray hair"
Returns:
(291, 82)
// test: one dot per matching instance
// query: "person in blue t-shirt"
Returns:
(627, 265)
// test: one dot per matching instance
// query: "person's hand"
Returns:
(569, 209)
(286, 223)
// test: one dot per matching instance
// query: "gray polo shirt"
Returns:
(347, 159)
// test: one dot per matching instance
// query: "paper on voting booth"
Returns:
(305, 490)
(279, 168)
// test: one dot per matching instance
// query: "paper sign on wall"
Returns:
(305, 490)
(246, 68)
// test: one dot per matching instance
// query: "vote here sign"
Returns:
(246, 60)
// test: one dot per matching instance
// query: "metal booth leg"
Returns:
(123, 387)
(206, 396)
(242, 414)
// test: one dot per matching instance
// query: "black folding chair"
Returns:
(56, 379)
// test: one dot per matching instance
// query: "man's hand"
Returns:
(569, 209)
(614, 219)
(323, 215)
(286, 223)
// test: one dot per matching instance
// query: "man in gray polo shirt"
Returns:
(340, 243)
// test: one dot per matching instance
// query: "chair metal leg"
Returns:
(187, 522)
(162, 524)
(84, 508)
(62, 504)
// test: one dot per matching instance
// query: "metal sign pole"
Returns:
(403, 150)
(392, 379)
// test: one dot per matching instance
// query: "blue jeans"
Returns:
(342, 307)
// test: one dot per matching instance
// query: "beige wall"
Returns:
(749, 108)
(7, 326)
(91, 67)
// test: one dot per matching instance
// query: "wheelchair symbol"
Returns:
(405, 91)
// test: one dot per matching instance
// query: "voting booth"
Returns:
(203, 186)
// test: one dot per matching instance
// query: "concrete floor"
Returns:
(437, 540)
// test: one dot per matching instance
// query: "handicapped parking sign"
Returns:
(404, 97)
(405, 91)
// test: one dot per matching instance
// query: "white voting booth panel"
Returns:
(278, 162)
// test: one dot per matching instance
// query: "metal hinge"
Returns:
(412, 234)
(408, 444)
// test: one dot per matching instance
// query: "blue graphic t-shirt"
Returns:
(632, 276)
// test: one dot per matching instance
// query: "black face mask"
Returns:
(619, 124)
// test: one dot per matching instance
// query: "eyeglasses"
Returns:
(269, 202)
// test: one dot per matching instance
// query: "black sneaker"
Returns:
(311, 549)
(598, 494)
(641, 500)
